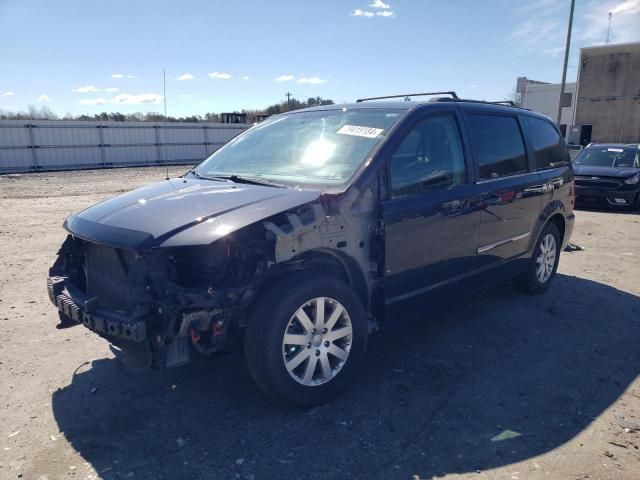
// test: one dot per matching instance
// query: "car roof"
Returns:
(474, 105)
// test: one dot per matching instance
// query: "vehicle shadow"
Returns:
(437, 397)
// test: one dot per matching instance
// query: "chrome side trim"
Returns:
(485, 248)
(504, 177)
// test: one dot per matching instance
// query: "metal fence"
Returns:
(32, 145)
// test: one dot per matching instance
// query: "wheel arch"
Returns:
(554, 212)
(334, 263)
(560, 222)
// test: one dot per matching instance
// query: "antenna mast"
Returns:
(609, 30)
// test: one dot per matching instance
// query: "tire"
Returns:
(277, 311)
(534, 280)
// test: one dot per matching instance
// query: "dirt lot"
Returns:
(499, 386)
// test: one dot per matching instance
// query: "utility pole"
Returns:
(288, 100)
(164, 92)
(164, 98)
(609, 30)
(566, 61)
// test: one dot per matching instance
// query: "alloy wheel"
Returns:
(317, 341)
(546, 260)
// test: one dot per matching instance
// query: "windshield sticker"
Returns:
(356, 131)
(619, 150)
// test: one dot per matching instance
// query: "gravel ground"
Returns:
(498, 386)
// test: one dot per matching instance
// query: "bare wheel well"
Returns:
(559, 221)
(333, 263)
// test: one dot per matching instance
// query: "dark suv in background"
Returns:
(312, 229)
(608, 175)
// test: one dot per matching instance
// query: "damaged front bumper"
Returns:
(157, 339)
(157, 323)
(78, 307)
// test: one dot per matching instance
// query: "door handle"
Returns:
(502, 197)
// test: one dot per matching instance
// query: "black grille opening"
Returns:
(605, 184)
(106, 271)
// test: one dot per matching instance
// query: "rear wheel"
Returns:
(543, 264)
(306, 339)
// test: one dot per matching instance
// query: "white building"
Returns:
(544, 98)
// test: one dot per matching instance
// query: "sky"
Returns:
(82, 56)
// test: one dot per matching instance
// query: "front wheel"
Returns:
(543, 264)
(306, 339)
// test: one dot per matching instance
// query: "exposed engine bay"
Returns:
(159, 304)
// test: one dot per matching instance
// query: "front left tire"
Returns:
(306, 339)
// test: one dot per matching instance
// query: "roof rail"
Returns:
(504, 102)
(507, 103)
(454, 95)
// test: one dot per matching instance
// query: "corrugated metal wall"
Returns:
(34, 145)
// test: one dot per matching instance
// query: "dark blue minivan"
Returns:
(316, 227)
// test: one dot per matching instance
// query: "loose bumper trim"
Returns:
(80, 308)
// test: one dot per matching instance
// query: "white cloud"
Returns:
(117, 75)
(7, 94)
(358, 12)
(185, 76)
(314, 80)
(284, 78)
(112, 89)
(246, 77)
(93, 101)
(386, 13)
(87, 89)
(379, 4)
(219, 75)
(131, 76)
(127, 99)
(44, 98)
(541, 25)
(630, 6)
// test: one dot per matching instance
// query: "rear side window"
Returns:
(497, 146)
(550, 148)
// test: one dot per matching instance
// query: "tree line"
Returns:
(45, 113)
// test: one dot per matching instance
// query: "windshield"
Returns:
(318, 148)
(608, 157)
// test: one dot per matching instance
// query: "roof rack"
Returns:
(508, 103)
(504, 102)
(454, 96)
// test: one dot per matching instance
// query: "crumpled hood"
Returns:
(180, 212)
(616, 172)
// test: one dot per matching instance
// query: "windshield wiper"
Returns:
(205, 177)
(250, 180)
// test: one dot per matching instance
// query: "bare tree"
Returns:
(516, 97)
